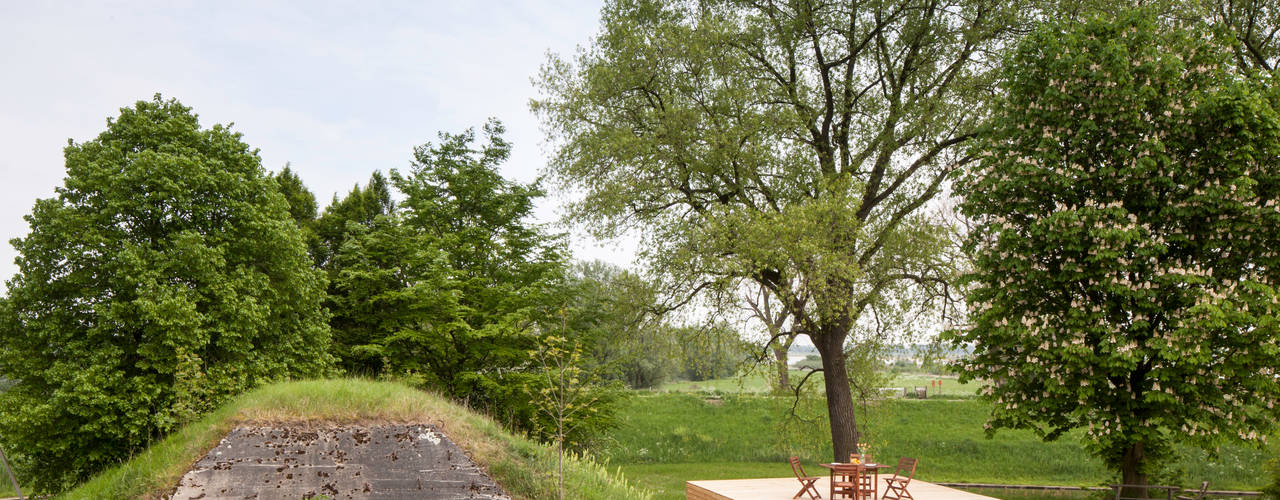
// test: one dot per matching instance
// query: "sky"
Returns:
(335, 89)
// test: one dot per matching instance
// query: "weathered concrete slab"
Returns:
(376, 462)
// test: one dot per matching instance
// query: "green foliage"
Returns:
(1125, 266)
(1251, 28)
(448, 288)
(788, 146)
(501, 269)
(164, 277)
(610, 315)
(1273, 473)
(361, 207)
(395, 304)
(711, 351)
(302, 202)
(302, 206)
(575, 406)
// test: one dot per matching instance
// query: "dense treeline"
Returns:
(171, 271)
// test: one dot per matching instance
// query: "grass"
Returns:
(6, 487)
(666, 439)
(1006, 494)
(668, 479)
(756, 382)
(752, 382)
(524, 468)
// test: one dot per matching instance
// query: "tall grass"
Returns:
(524, 468)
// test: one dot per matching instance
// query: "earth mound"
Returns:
(390, 461)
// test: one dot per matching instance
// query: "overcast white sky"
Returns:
(338, 89)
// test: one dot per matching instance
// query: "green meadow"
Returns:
(667, 438)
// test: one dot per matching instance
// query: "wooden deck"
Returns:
(784, 488)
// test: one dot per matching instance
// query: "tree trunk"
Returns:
(1131, 471)
(844, 424)
(784, 374)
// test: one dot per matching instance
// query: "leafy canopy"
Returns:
(164, 276)
(446, 288)
(1125, 243)
(789, 145)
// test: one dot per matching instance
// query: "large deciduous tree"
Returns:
(164, 276)
(788, 144)
(1126, 227)
(446, 288)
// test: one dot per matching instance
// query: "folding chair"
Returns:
(851, 481)
(805, 481)
(897, 485)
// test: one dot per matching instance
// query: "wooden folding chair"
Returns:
(851, 481)
(805, 481)
(897, 485)
(1199, 495)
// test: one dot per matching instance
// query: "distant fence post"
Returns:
(12, 479)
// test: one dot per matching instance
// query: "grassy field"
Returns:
(756, 383)
(668, 438)
(1039, 495)
(524, 468)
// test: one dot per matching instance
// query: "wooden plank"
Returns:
(695, 492)
(786, 488)
(1216, 493)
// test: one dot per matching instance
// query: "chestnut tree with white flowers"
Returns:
(1125, 243)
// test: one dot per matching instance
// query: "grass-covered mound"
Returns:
(524, 468)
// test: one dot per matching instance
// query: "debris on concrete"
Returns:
(377, 462)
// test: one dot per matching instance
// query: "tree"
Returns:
(302, 202)
(365, 250)
(395, 302)
(571, 399)
(361, 207)
(709, 351)
(1253, 27)
(1124, 241)
(611, 318)
(447, 289)
(789, 145)
(774, 318)
(302, 205)
(164, 277)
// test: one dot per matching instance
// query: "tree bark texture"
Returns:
(1131, 471)
(844, 423)
(784, 374)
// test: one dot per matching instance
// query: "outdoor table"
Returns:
(1168, 490)
(873, 468)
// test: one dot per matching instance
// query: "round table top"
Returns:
(864, 466)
